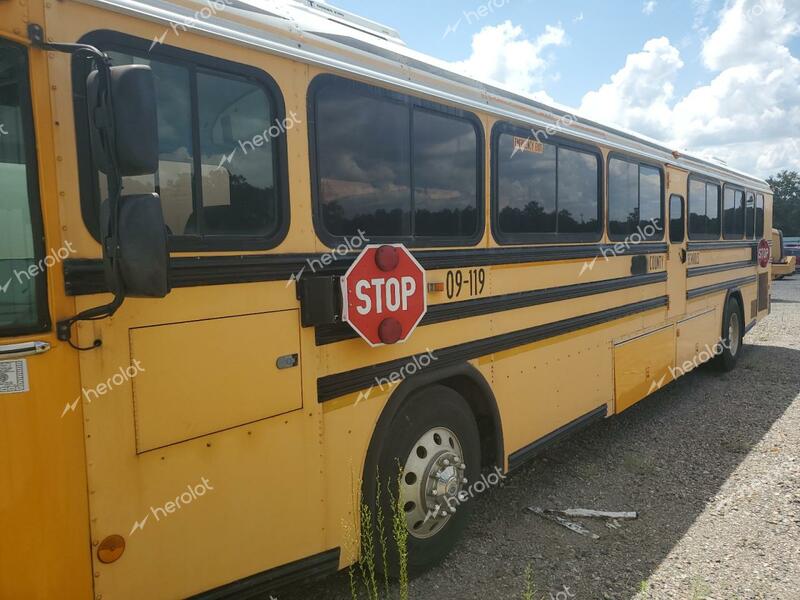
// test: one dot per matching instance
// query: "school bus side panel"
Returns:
(258, 447)
(44, 521)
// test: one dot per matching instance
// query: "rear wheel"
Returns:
(732, 334)
(435, 441)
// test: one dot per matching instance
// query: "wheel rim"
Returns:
(433, 476)
(733, 334)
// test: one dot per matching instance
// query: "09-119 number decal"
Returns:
(465, 282)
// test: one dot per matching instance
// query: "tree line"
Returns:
(786, 202)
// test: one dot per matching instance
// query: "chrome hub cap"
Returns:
(733, 334)
(433, 477)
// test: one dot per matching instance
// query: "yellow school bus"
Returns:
(782, 264)
(183, 410)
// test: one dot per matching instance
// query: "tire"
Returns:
(434, 425)
(732, 334)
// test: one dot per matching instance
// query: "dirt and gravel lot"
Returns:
(712, 465)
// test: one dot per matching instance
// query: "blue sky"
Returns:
(595, 39)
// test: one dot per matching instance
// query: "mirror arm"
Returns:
(110, 243)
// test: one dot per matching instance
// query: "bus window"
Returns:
(370, 146)
(545, 189)
(704, 223)
(760, 216)
(577, 192)
(527, 189)
(677, 219)
(22, 289)
(733, 214)
(445, 176)
(634, 198)
(220, 139)
(750, 216)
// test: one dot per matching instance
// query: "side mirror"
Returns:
(143, 259)
(124, 139)
(132, 142)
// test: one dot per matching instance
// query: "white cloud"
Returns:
(504, 54)
(751, 31)
(748, 114)
(639, 94)
(649, 7)
(579, 18)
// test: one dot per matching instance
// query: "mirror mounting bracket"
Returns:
(110, 245)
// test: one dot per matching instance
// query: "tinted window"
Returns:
(577, 192)
(703, 210)
(445, 176)
(220, 140)
(21, 282)
(368, 152)
(238, 190)
(526, 188)
(750, 216)
(676, 219)
(363, 164)
(543, 188)
(760, 216)
(634, 199)
(623, 197)
(733, 216)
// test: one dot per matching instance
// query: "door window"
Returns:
(22, 281)
(676, 219)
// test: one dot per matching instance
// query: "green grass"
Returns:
(530, 586)
(364, 576)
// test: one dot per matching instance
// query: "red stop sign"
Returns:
(384, 294)
(764, 253)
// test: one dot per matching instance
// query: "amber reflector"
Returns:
(111, 549)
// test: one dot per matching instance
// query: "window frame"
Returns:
(639, 162)
(735, 188)
(114, 41)
(761, 235)
(43, 323)
(750, 235)
(512, 239)
(683, 219)
(705, 180)
(412, 103)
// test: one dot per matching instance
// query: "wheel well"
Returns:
(484, 409)
(467, 381)
(736, 295)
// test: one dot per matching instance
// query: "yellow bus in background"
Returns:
(782, 264)
(183, 412)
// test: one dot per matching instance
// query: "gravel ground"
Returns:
(712, 465)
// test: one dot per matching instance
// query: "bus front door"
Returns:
(44, 536)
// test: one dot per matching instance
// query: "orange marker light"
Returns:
(111, 549)
(435, 286)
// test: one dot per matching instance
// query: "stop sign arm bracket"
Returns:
(320, 300)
